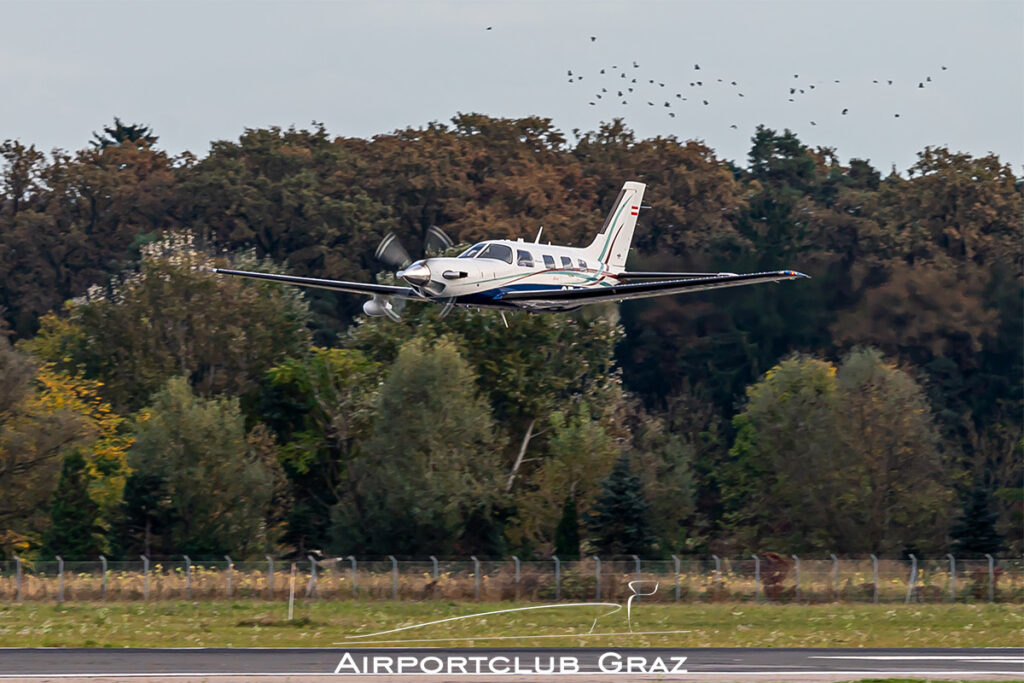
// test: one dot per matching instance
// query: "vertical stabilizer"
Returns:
(611, 246)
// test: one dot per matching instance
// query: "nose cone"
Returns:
(417, 273)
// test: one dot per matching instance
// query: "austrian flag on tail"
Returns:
(634, 210)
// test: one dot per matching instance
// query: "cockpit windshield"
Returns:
(472, 251)
(497, 251)
(489, 250)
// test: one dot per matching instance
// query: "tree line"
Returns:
(148, 405)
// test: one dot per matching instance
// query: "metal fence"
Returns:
(769, 578)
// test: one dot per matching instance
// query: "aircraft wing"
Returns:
(334, 285)
(643, 290)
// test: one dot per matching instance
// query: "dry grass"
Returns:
(497, 582)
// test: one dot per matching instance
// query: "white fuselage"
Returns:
(487, 270)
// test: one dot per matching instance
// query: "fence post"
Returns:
(394, 577)
(291, 594)
(952, 577)
(231, 572)
(757, 577)
(636, 559)
(991, 578)
(103, 588)
(476, 577)
(796, 560)
(597, 573)
(311, 584)
(145, 577)
(913, 576)
(558, 578)
(436, 568)
(270, 577)
(60, 578)
(718, 573)
(17, 576)
(355, 585)
(515, 561)
(675, 561)
(835, 575)
(188, 577)
(874, 572)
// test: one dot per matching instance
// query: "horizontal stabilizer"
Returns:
(648, 275)
(643, 290)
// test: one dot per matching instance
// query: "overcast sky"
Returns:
(198, 72)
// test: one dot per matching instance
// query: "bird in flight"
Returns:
(844, 111)
(593, 38)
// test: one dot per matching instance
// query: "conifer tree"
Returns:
(74, 531)
(619, 521)
(567, 534)
(974, 533)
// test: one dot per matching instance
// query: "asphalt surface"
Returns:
(482, 664)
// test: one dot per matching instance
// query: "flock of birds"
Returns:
(627, 84)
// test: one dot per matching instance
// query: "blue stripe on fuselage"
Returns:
(495, 295)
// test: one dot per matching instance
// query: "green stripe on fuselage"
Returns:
(611, 231)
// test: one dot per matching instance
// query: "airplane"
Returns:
(513, 275)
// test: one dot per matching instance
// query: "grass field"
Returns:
(324, 624)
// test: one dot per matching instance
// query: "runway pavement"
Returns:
(526, 664)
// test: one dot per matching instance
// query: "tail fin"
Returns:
(611, 246)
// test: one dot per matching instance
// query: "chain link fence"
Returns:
(769, 578)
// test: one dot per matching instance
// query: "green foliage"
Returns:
(290, 196)
(974, 533)
(174, 317)
(45, 416)
(666, 453)
(837, 458)
(924, 265)
(620, 523)
(430, 463)
(224, 487)
(74, 532)
(579, 453)
(121, 133)
(567, 533)
(321, 406)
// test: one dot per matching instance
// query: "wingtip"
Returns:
(794, 273)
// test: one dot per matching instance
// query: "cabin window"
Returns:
(566, 263)
(583, 264)
(524, 258)
(472, 251)
(501, 252)
(549, 262)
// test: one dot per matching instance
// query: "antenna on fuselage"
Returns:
(537, 241)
